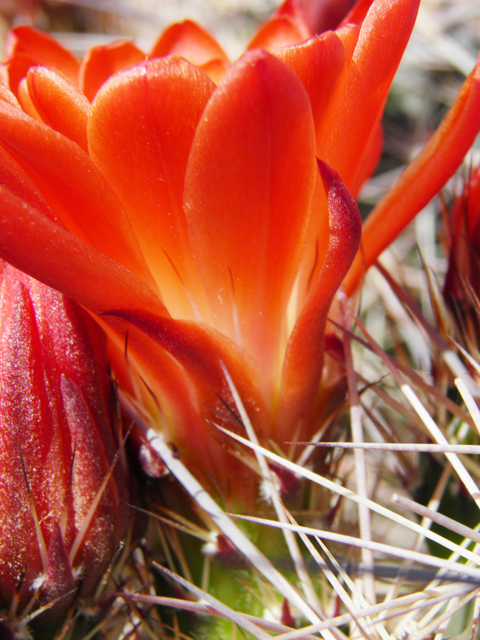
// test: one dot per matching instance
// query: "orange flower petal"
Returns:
(287, 26)
(280, 31)
(318, 63)
(423, 178)
(248, 190)
(190, 41)
(358, 103)
(41, 49)
(140, 133)
(348, 35)
(15, 180)
(35, 244)
(304, 356)
(196, 45)
(72, 185)
(215, 69)
(59, 104)
(14, 70)
(369, 161)
(316, 247)
(25, 100)
(99, 63)
(7, 96)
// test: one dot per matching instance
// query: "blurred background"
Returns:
(447, 30)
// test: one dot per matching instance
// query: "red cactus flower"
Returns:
(463, 275)
(63, 511)
(180, 200)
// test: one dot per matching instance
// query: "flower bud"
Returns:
(63, 500)
(463, 275)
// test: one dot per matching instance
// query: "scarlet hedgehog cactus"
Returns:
(206, 210)
(204, 214)
(63, 506)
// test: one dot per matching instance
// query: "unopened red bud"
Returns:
(63, 504)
